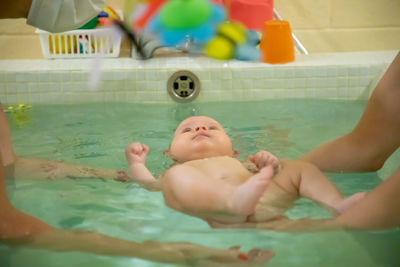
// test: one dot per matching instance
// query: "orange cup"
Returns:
(277, 42)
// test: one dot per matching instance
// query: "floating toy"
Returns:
(181, 20)
(18, 108)
(104, 18)
(151, 9)
(233, 40)
(91, 24)
(18, 114)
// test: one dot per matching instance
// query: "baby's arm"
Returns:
(136, 154)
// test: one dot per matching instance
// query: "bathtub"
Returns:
(297, 106)
(346, 76)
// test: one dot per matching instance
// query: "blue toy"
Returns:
(181, 20)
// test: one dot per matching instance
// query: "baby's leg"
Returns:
(311, 183)
(189, 190)
(246, 196)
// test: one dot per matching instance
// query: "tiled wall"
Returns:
(330, 76)
(321, 25)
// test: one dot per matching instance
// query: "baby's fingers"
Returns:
(251, 158)
(137, 148)
(145, 148)
(259, 256)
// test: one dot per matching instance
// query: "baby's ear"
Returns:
(235, 153)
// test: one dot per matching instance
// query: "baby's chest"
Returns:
(223, 168)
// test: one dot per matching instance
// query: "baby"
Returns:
(207, 180)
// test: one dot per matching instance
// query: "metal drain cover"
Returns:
(183, 86)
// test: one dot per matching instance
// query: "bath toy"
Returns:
(233, 40)
(107, 16)
(112, 14)
(151, 9)
(181, 20)
(104, 18)
(252, 13)
(91, 24)
(17, 108)
(18, 114)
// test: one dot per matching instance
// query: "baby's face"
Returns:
(199, 137)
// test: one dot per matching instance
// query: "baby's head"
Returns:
(197, 138)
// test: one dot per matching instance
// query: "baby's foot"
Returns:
(349, 202)
(247, 195)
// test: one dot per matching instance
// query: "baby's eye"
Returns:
(186, 130)
(213, 128)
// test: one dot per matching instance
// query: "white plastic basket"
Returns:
(103, 42)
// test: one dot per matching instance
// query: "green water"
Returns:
(96, 135)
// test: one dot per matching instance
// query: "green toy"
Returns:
(18, 114)
(185, 14)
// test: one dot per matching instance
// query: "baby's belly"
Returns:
(224, 168)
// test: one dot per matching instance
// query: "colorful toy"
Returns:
(104, 18)
(151, 9)
(19, 107)
(181, 20)
(107, 16)
(233, 40)
(18, 114)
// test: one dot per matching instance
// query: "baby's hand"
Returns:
(136, 153)
(263, 159)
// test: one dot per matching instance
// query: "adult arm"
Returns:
(34, 168)
(13, 223)
(6, 148)
(379, 209)
(20, 229)
(375, 137)
(184, 253)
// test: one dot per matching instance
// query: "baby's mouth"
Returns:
(200, 134)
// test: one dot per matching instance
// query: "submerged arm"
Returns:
(22, 230)
(6, 149)
(34, 168)
(182, 253)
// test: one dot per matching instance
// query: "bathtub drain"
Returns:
(183, 86)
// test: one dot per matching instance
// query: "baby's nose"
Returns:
(204, 128)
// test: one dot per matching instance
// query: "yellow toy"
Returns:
(233, 40)
(18, 115)
(223, 45)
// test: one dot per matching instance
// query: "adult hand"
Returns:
(196, 255)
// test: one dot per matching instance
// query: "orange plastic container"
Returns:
(277, 42)
(252, 13)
